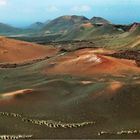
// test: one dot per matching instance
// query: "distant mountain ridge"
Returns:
(59, 25)
(77, 28)
(99, 20)
(4, 28)
(65, 23)
(36, 25)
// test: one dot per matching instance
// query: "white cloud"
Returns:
(52, 8)
(81, 8)
(3, 2)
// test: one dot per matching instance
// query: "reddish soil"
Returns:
(13, 51)
(87, 25)
(88, 62)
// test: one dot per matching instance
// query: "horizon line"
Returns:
(17, 24)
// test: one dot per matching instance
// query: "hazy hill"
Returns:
(4, 29)
(36, 25)
(99, 20)
(46, 22)
(64, 23)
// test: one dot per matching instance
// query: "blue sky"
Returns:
(25, 12)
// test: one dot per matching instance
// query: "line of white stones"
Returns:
(48, 123)
(122, 132)
(11, 137)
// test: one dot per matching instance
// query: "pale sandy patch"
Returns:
(18, 92)
(86, 82)
(115, 85)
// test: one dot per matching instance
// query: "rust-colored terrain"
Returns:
(13, 51)
(72, 94)
(91, 62)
